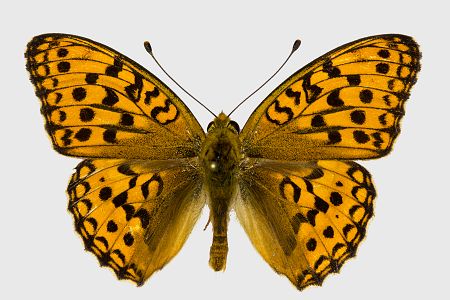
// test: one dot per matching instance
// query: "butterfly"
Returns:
(149, 168)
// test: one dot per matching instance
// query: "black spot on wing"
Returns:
(109, 135)
(63, 67)
(291, 94)
(311, 216)
(366, 96)
(353, 80)
(145, 186)
(334, 137)
(86, 114)
(83, 134)
(125, 170)
(164, 109)
(331, 70)
(281, 110)
(315, 174)
(297, 220)
(151, 94)
(144, 216)
(128, 239)
(312, 91)
(62, 116)
(111, 226)
(334, 100)
(91, 78)
(320, 204)
(126, 119)
(317, 121)
(296, 190)
(111, 97)
(79, 93)
(120, 199)
(134, 90)
(105, 193)
(129, 211)
(311, 244)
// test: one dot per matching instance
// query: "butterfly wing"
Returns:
(135, 215)
(305, 219)
(99, 103)
(130, 207)
(347, 104)
(304, 206)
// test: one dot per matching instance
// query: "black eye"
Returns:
(209, 125)
(235, 126)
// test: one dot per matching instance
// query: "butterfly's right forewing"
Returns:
(99, 103)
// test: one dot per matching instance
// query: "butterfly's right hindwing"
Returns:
(135, 215)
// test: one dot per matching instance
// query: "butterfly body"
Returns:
(220, 156)
(148, 167)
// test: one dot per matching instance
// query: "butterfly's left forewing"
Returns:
(347, 104)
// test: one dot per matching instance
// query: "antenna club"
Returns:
(296, 45)
(148, 47)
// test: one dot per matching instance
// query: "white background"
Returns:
(222, 52)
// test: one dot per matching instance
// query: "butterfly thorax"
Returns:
(220, 157)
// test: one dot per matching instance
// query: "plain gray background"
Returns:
(222, 52)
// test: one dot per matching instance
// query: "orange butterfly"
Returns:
(149, 168)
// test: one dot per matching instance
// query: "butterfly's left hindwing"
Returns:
(305, 219)
(135, 215)
(347, 104)
(98, 103)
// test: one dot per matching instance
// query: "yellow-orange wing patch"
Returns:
(347, 104)
(99, 103)
(305, 219)
(135, 215)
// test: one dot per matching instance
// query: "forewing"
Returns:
(135, 215)
(347, 104)
(305, 219)
(99, 103)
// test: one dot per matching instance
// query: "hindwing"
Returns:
(305, 219)
(135, 215)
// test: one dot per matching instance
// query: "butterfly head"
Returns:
(223, 121)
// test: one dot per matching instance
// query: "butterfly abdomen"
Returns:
(220, 157)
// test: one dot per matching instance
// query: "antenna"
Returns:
(294, 48)
(148, 48)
